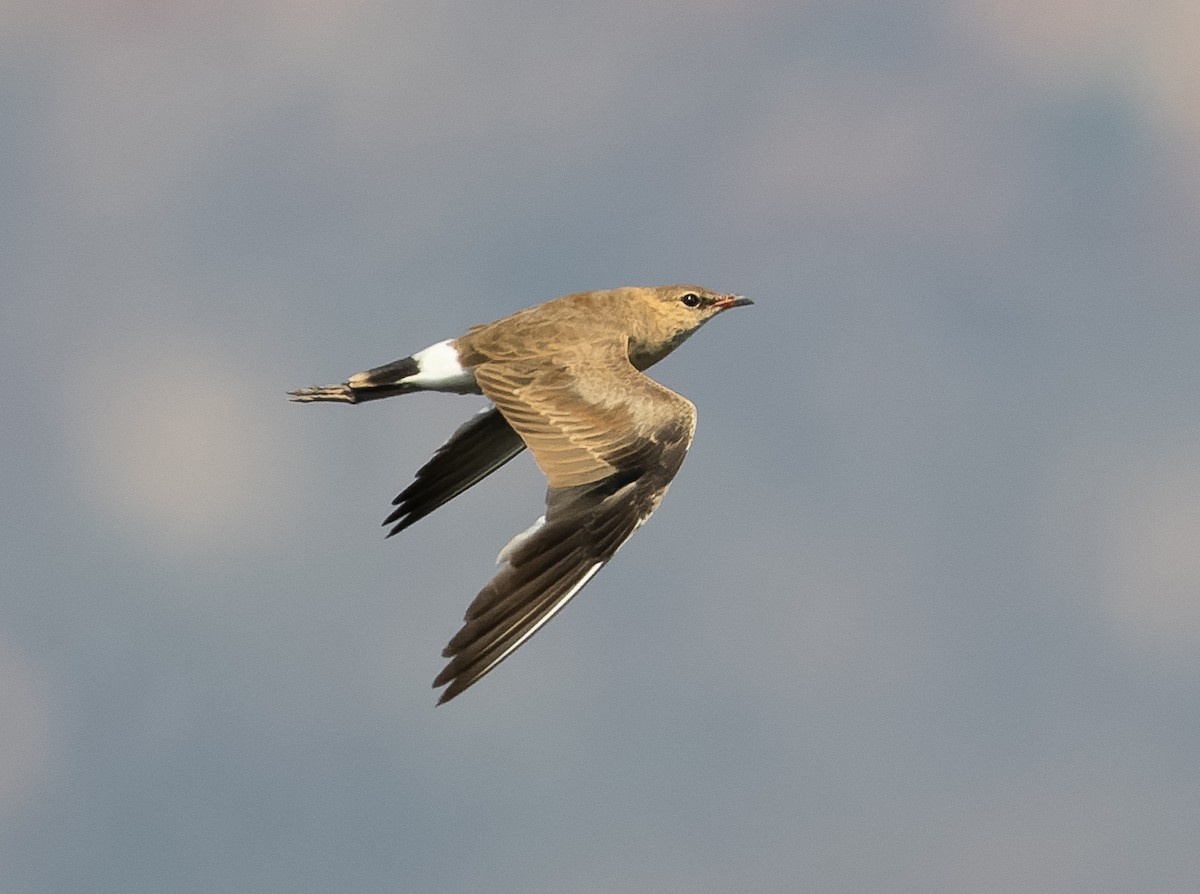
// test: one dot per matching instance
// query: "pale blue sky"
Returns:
(922, 610)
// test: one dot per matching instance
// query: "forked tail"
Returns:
(382, 381)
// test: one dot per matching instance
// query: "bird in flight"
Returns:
(566, 380)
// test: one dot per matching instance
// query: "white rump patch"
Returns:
(512, 545)
(439, 370)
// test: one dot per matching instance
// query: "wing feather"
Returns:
(477, 448)
(581, 413)
(609, 440)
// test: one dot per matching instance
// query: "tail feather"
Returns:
(389, 374)
(343, 393)
(382, 381)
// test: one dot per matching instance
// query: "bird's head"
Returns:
(663, 316)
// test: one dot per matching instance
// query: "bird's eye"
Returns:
(691, 299)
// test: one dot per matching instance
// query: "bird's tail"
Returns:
(382, 381)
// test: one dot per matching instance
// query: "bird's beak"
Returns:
(731, 301)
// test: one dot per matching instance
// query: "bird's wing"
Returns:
(609, 440)
(477, 448)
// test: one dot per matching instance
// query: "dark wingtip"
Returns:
(397, 528)
(400, 518)
(449, 693)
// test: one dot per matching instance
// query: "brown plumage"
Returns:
(566, 381)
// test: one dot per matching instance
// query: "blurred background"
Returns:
(922, 611)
